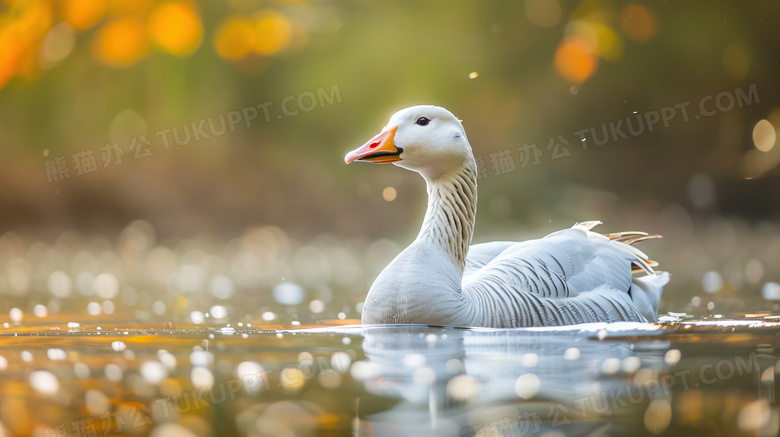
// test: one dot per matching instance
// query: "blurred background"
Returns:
(183, 160)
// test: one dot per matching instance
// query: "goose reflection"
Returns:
(516, 382)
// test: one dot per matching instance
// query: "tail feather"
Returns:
(625, 234)
(625, 241)
(645, 289)
(636, 267)
(638, 239)
(587, 225)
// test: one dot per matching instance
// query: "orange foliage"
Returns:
(120, 43)
(273, 32)
(83, 14)
(234, 39)
(176, 28)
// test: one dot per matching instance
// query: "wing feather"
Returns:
(570, 276)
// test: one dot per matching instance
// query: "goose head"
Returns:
(426, 139)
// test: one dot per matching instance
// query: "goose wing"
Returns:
(570, 276)
(481, 254)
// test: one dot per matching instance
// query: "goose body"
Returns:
(571, 276)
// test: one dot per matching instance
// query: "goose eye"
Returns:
(422, 121)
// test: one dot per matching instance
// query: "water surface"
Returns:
(679, 377)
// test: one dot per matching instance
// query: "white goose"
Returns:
(570, 276)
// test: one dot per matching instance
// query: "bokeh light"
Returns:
(658, 416)
(176, 28)
(273, 32)
(527, 385)
(234, 39)
(83, 14)
(575, 61)
(11, 48)
(389, 194)
(764, 136)
(120, 42)
(57, 45)
(638, 22)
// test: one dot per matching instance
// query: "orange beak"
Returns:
(380, 150)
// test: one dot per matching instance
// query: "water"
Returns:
(257, 336)
(680, 377)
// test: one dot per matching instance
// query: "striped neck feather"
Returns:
(452, 209)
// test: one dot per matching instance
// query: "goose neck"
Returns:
(452, 208)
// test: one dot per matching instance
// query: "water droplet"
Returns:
(288, 293)
(530, 360)
(248, 368)
(363, 370)
(610, 366)
(340, 361)
(201, 376)
(218, 312)
(413, 361)
(167, 358)
(113, 372)
(527, 386)
(106, 286)
(424, 375)
(40, 311)
(97, 403)
(571, 354)
(159, 308)
(453, 366)
(81, 370)
(56, 354)
(201, 358)
(94, 308)
(658, 416)
(45, 382)
(153, 372)
(108, 307)
(462, 387)
(222, 287)
(197, 317)
(771, 291)
(16, 315)
(317, 306)
(631, 364)
(672, 356)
